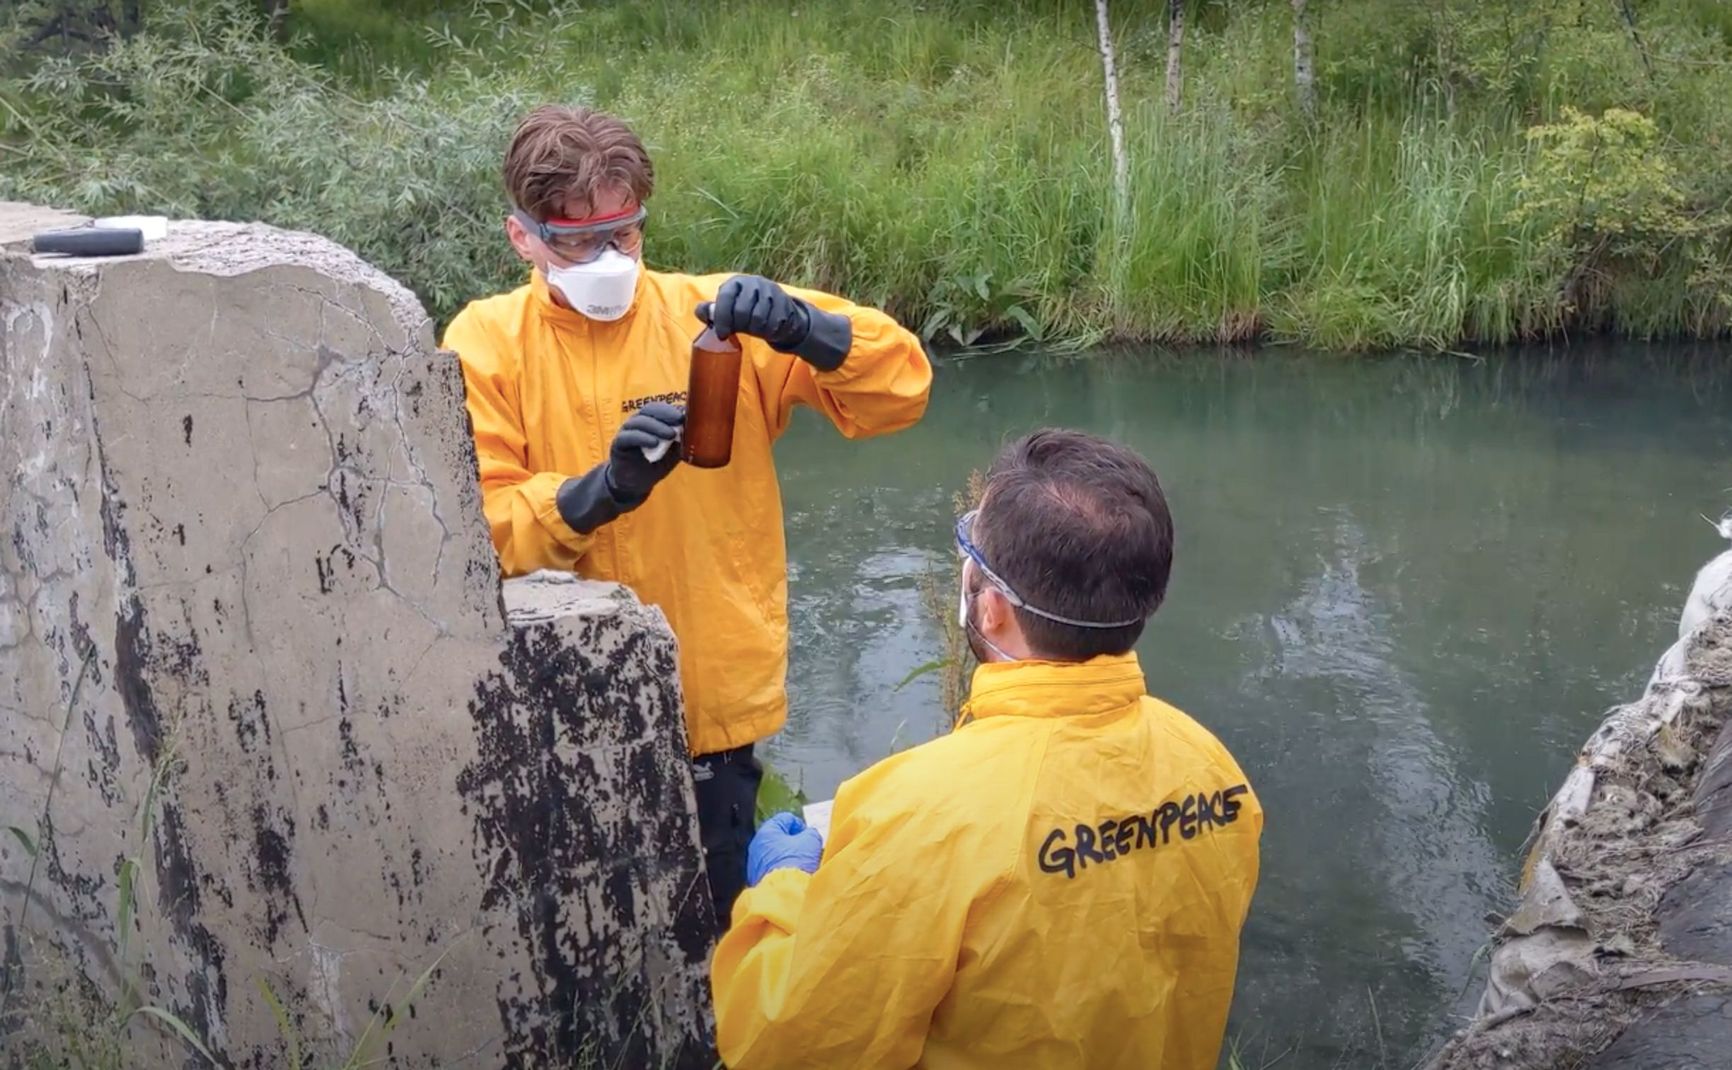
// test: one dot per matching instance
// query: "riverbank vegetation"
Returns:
(1450, 172)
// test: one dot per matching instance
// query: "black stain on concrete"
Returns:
(103, 770)
(570, 850)
(84, 893)
(138, 659)
(252, 726)
(178, 878)
(273, 846)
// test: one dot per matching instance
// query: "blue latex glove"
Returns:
(783, 842)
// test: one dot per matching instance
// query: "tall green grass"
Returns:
(946, 159)
(1405, 239)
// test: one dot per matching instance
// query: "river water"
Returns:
(1405, 591)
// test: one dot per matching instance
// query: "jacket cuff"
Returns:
(776, 899)
(828, 339)
(587, 502)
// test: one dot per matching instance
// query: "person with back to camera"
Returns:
(1058, 883)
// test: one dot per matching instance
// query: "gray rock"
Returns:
(1696, 916)
(1694, 1033)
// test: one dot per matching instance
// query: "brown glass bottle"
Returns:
(711, 394)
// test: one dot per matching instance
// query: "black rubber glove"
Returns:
(623, 481)
(750, 304)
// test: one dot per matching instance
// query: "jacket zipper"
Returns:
(604, 443)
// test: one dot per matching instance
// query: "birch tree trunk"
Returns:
(1175, 51)
(1115, 118)
(1304, 76)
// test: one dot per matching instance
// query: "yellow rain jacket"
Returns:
(1058, 883)
(548, 389)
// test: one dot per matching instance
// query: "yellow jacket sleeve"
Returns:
(881, 386)
(521, 506)
(843, 968)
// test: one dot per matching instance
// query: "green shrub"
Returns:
(213, 119)
(1611, 219)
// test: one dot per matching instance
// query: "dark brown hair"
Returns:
(559, 152)
(1078, 526)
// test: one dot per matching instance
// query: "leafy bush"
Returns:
(1604, 200)
(1601, 183)
(211, 117)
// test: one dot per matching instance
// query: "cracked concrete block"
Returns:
(243, 563)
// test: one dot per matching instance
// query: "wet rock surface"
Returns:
(303, 748)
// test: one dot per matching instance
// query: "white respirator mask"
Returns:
(601, 289)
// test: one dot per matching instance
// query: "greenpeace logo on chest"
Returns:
(672, 397)
(1114, 838)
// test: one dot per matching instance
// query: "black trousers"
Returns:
(727, 791)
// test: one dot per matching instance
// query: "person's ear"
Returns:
(995, 610)
(520, 239)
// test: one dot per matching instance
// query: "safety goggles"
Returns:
(965, 527)
(581, 240)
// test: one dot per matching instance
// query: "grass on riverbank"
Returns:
(948, 159)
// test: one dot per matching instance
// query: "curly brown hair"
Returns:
(559, 152)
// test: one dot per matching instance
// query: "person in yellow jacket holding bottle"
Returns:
(577, 377)
(1061, 881)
